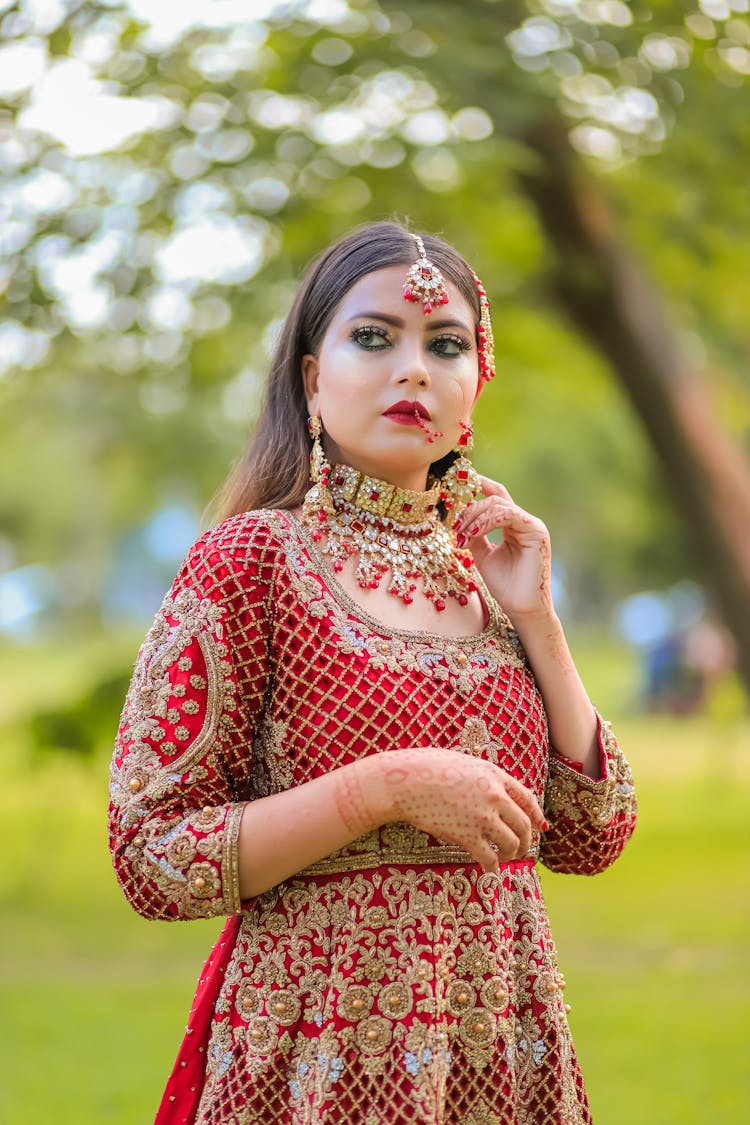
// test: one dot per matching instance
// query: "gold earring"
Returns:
(318, 502)
(460, 484)
(320, 470)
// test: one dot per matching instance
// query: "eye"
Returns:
(371, 337)
(449, 345)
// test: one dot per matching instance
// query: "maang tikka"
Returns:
(424, 281)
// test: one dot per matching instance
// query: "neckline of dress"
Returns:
(494, 617)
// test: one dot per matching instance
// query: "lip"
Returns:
(405, 412)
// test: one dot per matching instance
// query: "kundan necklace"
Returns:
(389, 530)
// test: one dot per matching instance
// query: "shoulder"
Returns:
(248, 534)
(248, 544)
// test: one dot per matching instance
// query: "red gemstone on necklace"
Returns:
(374, 495)
(407, 507)
(407, 599)
(439, 604)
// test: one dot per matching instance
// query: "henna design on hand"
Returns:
(464, 800)
(351, 802)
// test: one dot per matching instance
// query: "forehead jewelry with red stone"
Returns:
(424, 282)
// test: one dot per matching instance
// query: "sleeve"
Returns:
(182, 757)
(590, 820)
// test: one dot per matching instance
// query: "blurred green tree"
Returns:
(166, 171)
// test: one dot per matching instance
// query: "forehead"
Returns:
(383, 291)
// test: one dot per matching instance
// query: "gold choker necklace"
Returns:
(388, 530)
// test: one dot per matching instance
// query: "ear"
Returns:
(310, 373)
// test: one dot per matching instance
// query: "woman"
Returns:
(354, 727)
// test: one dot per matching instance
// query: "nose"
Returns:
(410, 365)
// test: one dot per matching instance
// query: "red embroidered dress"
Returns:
(394, 982)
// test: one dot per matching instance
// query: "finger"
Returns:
(504, 839)
(485, 855)
(508, 516)
(518, 823)
(526, 800)
(482, 515)
(494, 488)
(470, 512)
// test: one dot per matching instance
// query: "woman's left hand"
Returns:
(518, 570)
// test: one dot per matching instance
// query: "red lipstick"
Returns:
(407, 413)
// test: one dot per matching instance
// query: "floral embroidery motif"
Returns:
(590, 820)
(191, 861)
(426, 1027)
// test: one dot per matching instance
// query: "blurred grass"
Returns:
(95, 998)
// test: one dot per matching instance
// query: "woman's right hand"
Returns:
(457, 797)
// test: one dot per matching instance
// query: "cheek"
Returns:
(463, 388)
(341, 377)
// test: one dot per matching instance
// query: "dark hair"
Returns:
(273, 472)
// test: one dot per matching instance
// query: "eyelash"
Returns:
(378, 330)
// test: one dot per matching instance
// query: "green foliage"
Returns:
(286, 131)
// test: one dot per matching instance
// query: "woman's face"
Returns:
(381, 352)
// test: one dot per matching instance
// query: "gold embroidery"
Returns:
(462, 661)
(230, 860)
(271, 768)
(168, 853)
(396, 989)
(590, 820)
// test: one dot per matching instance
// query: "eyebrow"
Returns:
(397, 322)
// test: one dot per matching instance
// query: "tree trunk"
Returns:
(616, 308)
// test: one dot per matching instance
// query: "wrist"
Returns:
(377, 792)
(542, 620)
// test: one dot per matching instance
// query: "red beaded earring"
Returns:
(460, 483)
(486, 344)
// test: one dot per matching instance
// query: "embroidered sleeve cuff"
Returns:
(185, 868)
(230, 873)
(590, 819)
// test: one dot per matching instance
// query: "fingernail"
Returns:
(461, 539)
(545, 825)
